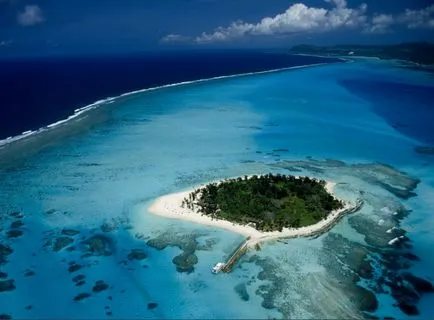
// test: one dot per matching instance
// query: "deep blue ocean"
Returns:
(77, 238)
(32, 88)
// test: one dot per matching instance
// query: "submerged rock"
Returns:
(16, 224)
(50, 211)
(368, 301)
(242, 291)
(78, 277)
(7, 285)
(29, 273)
(5, 251)
(3, 275)
(70, 232)
(137, 254)
(80, 283)
(16, 214)
(108, 227)
(152, 305)
(61, 242)
(81, 296)
(157, 243)
(185, 262)
(408, 307)
(99, 286)
(419, 284)
(186, 242)
(99, 245)
(5, 316)
(73, 267)
(209, 244)
(14, 233)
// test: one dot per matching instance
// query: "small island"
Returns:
(266, 202)
(261, 207)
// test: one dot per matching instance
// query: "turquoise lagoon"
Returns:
(355, 123)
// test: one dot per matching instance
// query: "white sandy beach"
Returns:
(169, 206)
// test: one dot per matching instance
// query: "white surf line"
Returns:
(109, 100)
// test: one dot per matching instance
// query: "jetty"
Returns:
(233, 258)
(243, 247)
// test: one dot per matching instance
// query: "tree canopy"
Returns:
(268, 202)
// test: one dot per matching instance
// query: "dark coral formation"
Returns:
(137, 254)
(81, 296)
(5, 251)
(14, 233)
(78, 277)
(98, 245)
(114, 224)
(73, 267)
(79, 280)
(29, 273)
(16, 224)
(241, 289)
(61, 242)
(407, 290)
(108, 227)
(99, 286)
(16, 215)
(152, 305)
(7, 285)
(388, 261)
(70, 232)
(186, 261)
(208, 245)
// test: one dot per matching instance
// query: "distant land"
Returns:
(417, 52)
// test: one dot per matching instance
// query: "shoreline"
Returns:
(169, 206)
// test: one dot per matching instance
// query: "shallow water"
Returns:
(167, 140)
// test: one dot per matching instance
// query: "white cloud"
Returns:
(338, 3)
(31, 16)
(380, 23)
(297, 18)
(415, 19)
(412, 19)
(174, 38)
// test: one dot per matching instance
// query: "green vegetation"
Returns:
(419, 52)
(268, 202)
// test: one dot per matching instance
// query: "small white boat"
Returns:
(218, 267)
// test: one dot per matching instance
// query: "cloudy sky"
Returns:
(50, 26)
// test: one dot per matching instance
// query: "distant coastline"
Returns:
(170, 206)
(420, 54)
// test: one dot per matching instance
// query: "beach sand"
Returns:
(169, 206)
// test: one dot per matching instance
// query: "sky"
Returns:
(33, 27)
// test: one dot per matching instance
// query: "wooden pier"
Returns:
(236, 255)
